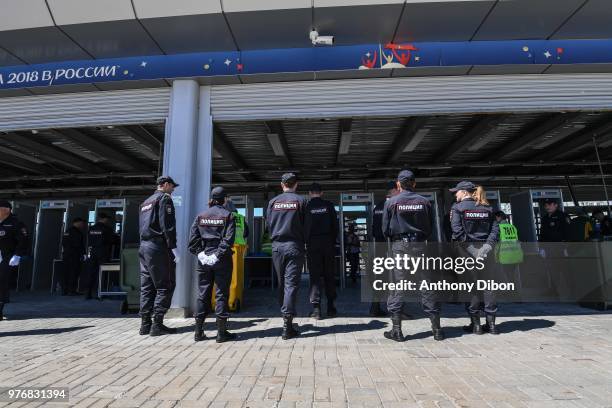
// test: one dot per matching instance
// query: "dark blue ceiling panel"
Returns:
(113, 39)
(526, 19)
(271, 29)
(43, 44)
(442, 21)
(196, 33)
(358, 25)
(6, 59)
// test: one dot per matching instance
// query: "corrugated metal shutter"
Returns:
(84, 109)
(412, 96)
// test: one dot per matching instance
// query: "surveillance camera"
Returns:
(321, 40)
(325, 40)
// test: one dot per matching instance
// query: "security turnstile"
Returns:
(493, 198)
(54, 216)
(355, 209)
(527, 207)
(435, 213)
(26, 213)
(125, 214)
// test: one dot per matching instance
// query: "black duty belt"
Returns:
(407, 238)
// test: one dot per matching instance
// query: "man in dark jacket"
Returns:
(14, 244)
(321, 231)
(285, 221)
(73, 255)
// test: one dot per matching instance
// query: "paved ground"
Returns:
(547, 356)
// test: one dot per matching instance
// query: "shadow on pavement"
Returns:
(42, 332)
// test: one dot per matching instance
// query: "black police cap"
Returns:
(315, 188)
(218, 193)
(166, 179)
(288, 177)
(463, 185)
(405, 175)
(550, 201)
(5, 204)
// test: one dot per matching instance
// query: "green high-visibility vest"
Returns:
(239, 239)
(508, 251)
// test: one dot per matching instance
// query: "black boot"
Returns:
(396, 330)
(331, 310)
(490, 326)
(158, 328)
(222, 334)
(1, 311)
(199, 329)
(289, 331)
(436, 329)
(316, 312)
(145, 324)
(474, 326)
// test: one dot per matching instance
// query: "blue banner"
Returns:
(335, 58)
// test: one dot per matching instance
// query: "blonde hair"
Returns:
(480, 195)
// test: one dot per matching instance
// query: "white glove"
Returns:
(15, 260)
(176, 255)
(213, 259)
(565, 253)
(542, 253)
(484, 251)
(472, 250)
(203, 258)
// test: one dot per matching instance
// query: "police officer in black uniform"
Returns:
(321, 232)
(285, 221)
(554, 223)
(476, 229)
(73, 254)
(158, 257)
(14, 244)
(100, 241)
(211, 239)
(407, 222)
(380, 242)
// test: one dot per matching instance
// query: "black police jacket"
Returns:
(473, 223)
(377, 216)
(14, 238)
(285, 218)
(100, 241)
(73, 243)
(320, 221)
(213, 231)
(407, 214)
(158, 219)
(554, 227)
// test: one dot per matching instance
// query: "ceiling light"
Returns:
(276, 144)
(416, 139)
(345, 142)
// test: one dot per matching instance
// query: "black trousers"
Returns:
(288, 261)
(72, 271)
(5, 276)
(220, 277)
(353, 259)
(483, 296)
(157, 278)
(93, 271)
(322, 265)
(429, 298)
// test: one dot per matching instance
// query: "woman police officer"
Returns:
(211, 239)
(474, 226)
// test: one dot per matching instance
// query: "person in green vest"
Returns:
(242, 228)
(508, 251)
